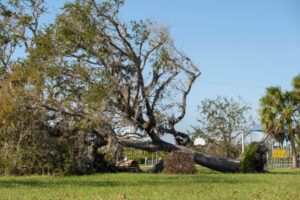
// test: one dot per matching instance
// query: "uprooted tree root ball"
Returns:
(178, 162)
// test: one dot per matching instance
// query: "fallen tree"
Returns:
(212, 162)
(91, 75)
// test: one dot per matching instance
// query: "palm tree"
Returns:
(278, 116)
(296, 82)
(296, 94)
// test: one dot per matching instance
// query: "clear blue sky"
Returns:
(241, 47)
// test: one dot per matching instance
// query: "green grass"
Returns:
(278, 184)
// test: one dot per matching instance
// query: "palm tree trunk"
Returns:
(294, 154)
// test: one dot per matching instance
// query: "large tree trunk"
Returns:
(294, 154)
(212, 162)
(158, 167)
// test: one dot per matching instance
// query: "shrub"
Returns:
(254, 158)
(178, 162)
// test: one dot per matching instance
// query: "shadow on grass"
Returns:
(205, 176)
(38, 183)
(126, 181)
(284, 171)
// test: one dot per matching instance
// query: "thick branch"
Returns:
(63, 111)
(183, 103)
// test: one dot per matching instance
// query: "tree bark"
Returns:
(294, 154)
(158, 167)
(152, 158)
(212, 162)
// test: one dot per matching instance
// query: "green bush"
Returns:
(249, 157)
(254, 159)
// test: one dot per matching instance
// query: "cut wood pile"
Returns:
(129, 165)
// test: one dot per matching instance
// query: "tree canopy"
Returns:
(69, 88)
(88, 75)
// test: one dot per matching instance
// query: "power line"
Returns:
(233, 84)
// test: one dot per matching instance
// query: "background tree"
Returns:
(296, 94)
(222, 122)
(280, 116)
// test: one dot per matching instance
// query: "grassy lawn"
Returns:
(207, 184)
